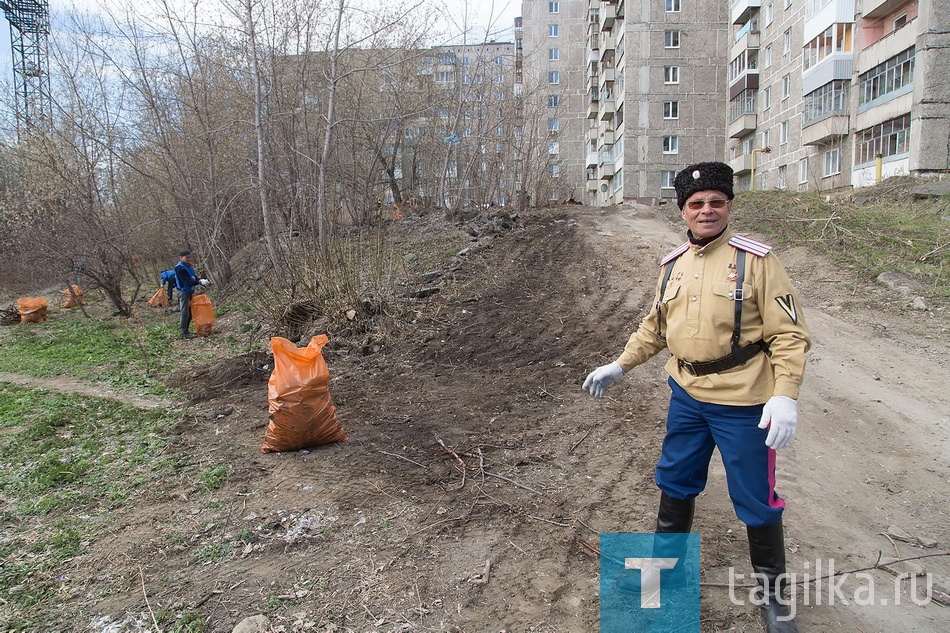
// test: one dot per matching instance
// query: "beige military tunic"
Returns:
(697, 313)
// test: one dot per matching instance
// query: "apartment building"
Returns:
(479, 119)
(902, 96)
(553, 34)
(822, 90)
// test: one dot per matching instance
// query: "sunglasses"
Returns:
(716, 203)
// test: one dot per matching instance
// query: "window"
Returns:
(554, 125)
(552, 30)
(666, 179)
(832, 162)
(444, 76)
(671, 110)
(787, 42)
(768, 11)
(766, 139)
(554, 54)
(671, 75)
(465, 61)
(803, 171)
(783, 133)
(618, 180)
(743, 104)
(552, 101)
(767, 62)
(671, 38)
(553, 7)
(894, 74)
(554, 77)
(767, 98)
(786, 87)
(899, 22)
(500, 131)
(499, 79)
(672, 6)
(887, 139)
(832, 98)
(554, 148)
(671, 145)
(446, 58)
(554, 171)
(837, 38)
(783, 176)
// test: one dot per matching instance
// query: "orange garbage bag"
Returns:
(32, 309)
(202, 313)
(159, 299)
(301, 410)
(72, 301)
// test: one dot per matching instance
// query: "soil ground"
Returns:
(388, 532)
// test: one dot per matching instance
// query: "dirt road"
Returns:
(493, 531)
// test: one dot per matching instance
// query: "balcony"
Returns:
(607, 171)
(591, 158)
(880, 8)
(747, 80)
(608, 15)
(741, 164)
(746, 39)
(608, 137)
(742, 10)
(826, 130)
(742, 126)
(593, 109)
(592, 185)
(608, 74)
(608, 109)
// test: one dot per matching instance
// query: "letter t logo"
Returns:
(649, 578)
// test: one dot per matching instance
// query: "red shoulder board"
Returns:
(679, 250)
(750, 245)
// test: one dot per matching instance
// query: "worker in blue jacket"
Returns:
(186, 281)
(168, 282)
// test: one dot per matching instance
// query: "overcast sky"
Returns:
(482, 13)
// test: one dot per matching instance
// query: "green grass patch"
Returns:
(67, 464)
(125, 355)
(871, 231)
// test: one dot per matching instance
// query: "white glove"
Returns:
(780, 416)
(598, 380)
(203, 282)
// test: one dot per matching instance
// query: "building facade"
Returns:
(836, 93)
(794, 94)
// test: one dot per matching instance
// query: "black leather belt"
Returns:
(739, 356)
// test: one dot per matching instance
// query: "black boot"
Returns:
(674, 519)
(674, 515)
(767, 552)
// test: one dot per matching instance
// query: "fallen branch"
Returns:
(578, 442)
(513, 482)
(147, 605)
(456, 456)
(405, 458)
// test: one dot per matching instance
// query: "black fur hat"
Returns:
(700, 177)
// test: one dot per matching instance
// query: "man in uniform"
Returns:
(728, 313)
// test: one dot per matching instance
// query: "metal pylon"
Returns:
(29, 28)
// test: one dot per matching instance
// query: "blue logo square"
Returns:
(649, 583)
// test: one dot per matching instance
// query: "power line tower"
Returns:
(29, 27)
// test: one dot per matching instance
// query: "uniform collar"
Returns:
(712, 243)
